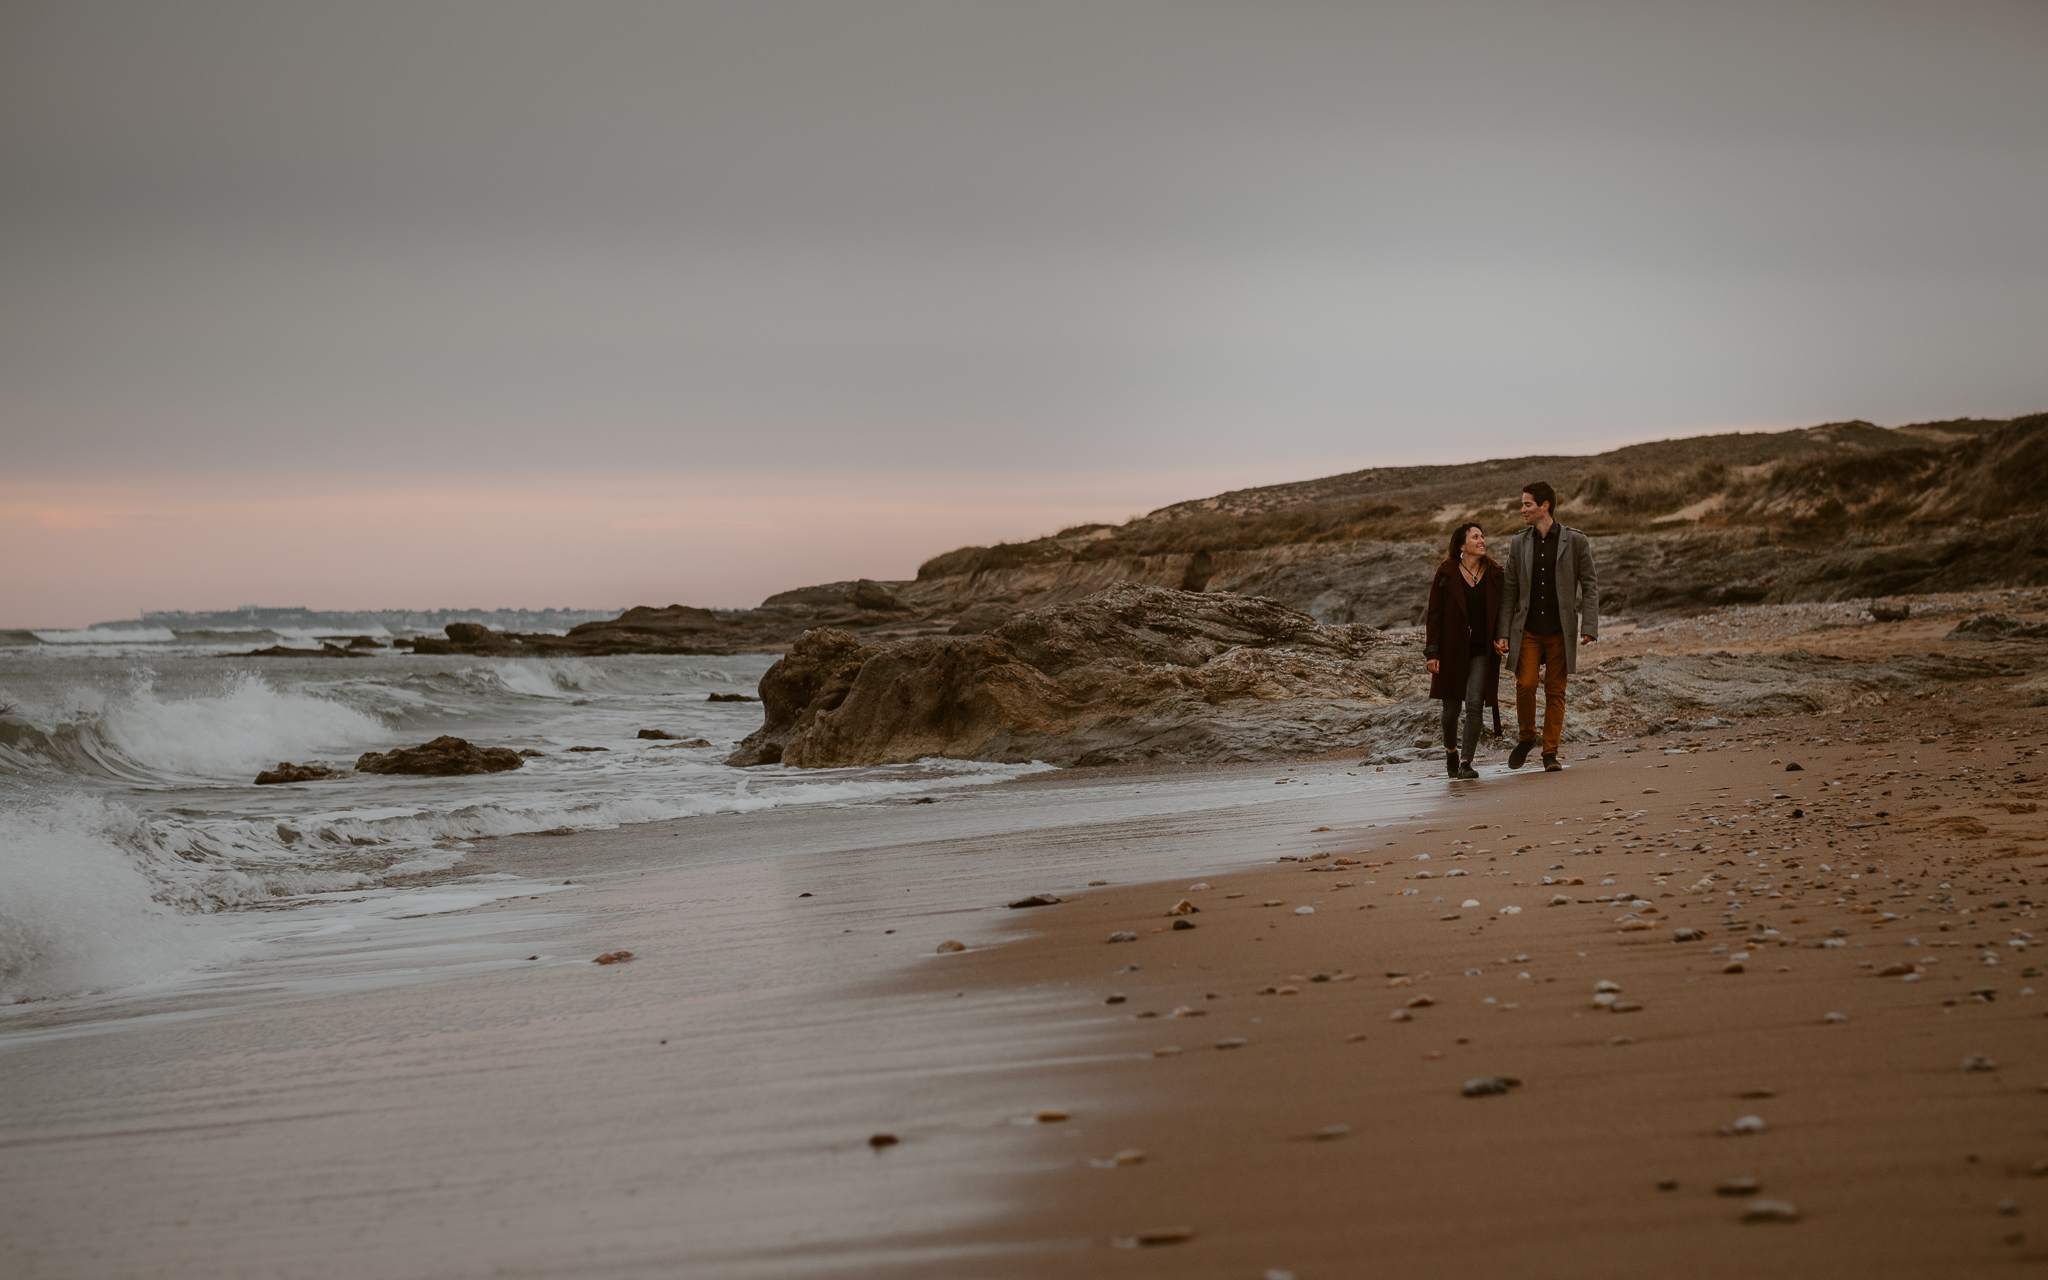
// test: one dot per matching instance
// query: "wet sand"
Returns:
(454, 1109)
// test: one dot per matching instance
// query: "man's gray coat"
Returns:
(1578, 592)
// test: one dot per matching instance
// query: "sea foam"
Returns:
(76, 913)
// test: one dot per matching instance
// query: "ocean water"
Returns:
(135, 845)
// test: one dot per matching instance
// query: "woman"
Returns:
(1464, 664)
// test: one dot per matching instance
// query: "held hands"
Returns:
(1589, 639)
(1500, 646)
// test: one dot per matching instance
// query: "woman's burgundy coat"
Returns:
(1448, 633)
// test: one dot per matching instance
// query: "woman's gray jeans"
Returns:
(1475, 694)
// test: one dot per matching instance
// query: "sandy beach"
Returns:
(475, 1097)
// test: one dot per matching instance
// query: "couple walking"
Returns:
(1537, 609)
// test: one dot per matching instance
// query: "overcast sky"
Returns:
(491, 303)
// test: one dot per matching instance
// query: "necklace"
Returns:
(1473, 573)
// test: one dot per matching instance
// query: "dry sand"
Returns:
(442, 1106)
(1251, 1039)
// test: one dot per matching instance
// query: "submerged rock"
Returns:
(445, 756)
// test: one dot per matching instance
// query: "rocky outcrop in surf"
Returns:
(286, 771)
(446, 756)
(1133, 673)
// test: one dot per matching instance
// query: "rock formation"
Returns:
(1133, 673)
(286, 771)
(445, 756)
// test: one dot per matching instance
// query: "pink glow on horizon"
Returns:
(93, 550)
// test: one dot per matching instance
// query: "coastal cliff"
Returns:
(1846, 511)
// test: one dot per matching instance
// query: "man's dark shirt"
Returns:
(1543, 619)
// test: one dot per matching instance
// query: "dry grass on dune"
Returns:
(1821, 483)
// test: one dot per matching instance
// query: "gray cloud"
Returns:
(495, 236)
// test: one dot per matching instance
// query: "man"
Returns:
(1551, 604)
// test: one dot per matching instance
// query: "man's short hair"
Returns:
(1544, 495)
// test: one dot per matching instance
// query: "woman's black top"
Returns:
(1475, 616)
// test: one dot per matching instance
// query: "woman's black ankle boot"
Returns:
(1451, 762)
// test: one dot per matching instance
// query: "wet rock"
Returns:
(1123, 935)
(1035, 900)
(880, 1140)
(1737, 1187)
(656, 735)
(446, 756)
(1795, 767)
(1051, 1115)
(286, 771)
(613, 957)
(1183, 924)
(1485, 1086)
(1156, 1236)
(1686, 935)
(730, 697)
(590, 748)
(949, 945)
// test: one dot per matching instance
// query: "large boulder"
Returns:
(1132, 673)
(445, 756)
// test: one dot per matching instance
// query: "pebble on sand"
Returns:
(1745, 1125)
(1304, 911)
(1051, 1115)
(1123, 935)
(1035, 900)
(1156, 1236)
(1484, 1086)
(1737, 1187)
(1182, 908)
(1183, 924)
(1129, 1155)
(613, 957)
(880, 1140)
(1836, 1017)
(1770, 1211)
(951, 945)
(1234, 1042)
(1978, 1062)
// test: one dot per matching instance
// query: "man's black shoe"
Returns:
(1451, 762)
(1520, 755)
(1550, 764)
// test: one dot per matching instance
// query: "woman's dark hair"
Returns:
(1458, 540)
